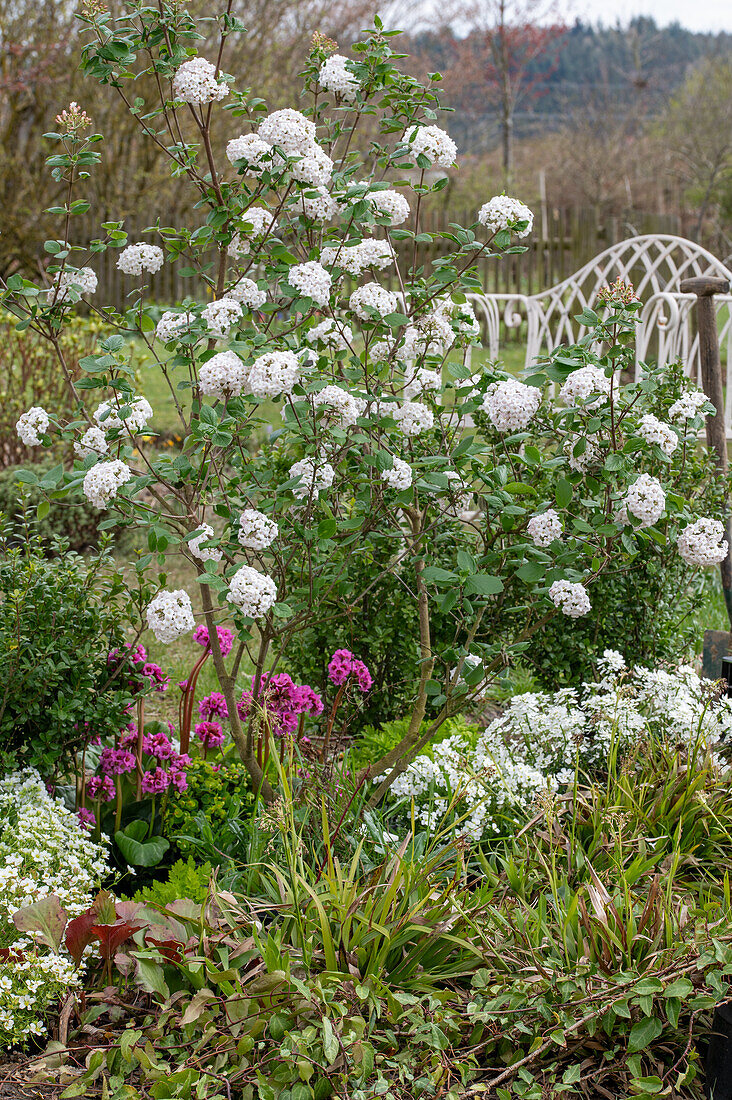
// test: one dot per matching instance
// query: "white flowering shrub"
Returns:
(543, 740)
(323, 300)
(43, 850)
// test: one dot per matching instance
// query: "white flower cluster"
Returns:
(502, 212)
(249, 148)
(256, 531)
(357, 258)
(172, 324)
(83, 278)
(43, 851)
(421, 381)
(196, 82)
(703, 543)
(433, 143)
(654, 430)
(314, 477)
(313, 169)
(571, 597)
(511, 405)
(312, 281)
(32, 425)
(646, 500)
(399, 477)
(688, 405)
(223, 375)
(584, 383)
(589, 456)
(544, 528)
(254, 593)
(330, 334)
(372, 297)
(413, 417)
(274, 373)
(131, 414)
(104, 480)
(204, 553)
(170, 615)
(221, 316)
(346, 407)
(289, 130)
(317, 204)
(390, 205)
(336, 77)
(258, 223)
(136, 258)
(248, 293)
(92, 442)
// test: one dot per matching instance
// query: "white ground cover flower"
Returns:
(654, 430)
(195, 81)
(399, 477)
(433, 143)
(502, 212)
(314, 477)
(274, 373)
(136, 258)
(104, 480)
(646, 500)
(584, 383)
(43, 851)
(32, 425)
(254, 593)
(170, 615)
(544, 528)
(703, 543)
(571, 598)
(92, 442)
(389, 204)
(369, 297)
(256, 531)
(204, 553)
(336, 77)
(511, 405)
(223, 375)
(312, 281)
(222, 316)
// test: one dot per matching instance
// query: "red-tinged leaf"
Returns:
(170, 949)
(112, 936)
(79, 934)
(46, 917)
(128, 910)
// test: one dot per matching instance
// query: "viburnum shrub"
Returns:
(322, 299)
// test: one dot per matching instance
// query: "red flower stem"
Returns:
(331, 720)
(189, 696)
(140, 739)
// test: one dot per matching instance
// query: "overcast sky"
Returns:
(704, 15)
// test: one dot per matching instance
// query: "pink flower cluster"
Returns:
(210, 734)
(282, 699)
(137, 674)
(343, 664)
(226, 638)
(213, 706)
(166, 768)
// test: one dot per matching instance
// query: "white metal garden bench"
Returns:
(656, 266)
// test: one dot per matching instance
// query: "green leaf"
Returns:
(330, 1042)
(563, 493)
(46, 917)
(327, 528)
(138, 849)
(484, 584)
(643, 1033)
(434, 575)
(44, 507)
(531, 572)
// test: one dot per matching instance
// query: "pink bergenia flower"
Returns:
(102, 787)
(213, 706)
(159, 746)
(85, 818)
(156, 676)
(343, 664)
(226, 638)
(155, 782)
(307, 701)
(210, 734)
(116, 761)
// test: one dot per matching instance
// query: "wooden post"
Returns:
(705, 287)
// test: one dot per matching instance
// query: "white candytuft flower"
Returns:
(571, 598)
(413, 417)
(345, 407)
(136, 258)
(170, 615)
(32, 425)
(255, 154)
(703, 543)
(204, 553)
(584, 383)
(173, 324)
(93, 441)
(103, 481)
(256, 531)
(544, 528)
(433, 143)
(131, 415)
(254, 593)
(511, 405)
(313, 478)
(502, 212)
(316, 203)
(274, 373)
(223, 375)
(654, 430)
(248, 293)
(313, 169)
(369, 297)
(288, 130)
(389, 204)
(195, 81)
(83, 278)
(221, 316)
(355, 259)
(331, 334)
(688, 405)
(646, 500)
(335, 77)
(311, 280)
(399, 477)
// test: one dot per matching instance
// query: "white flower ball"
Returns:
(223, 375)
(589, 457)
(254, 593)
(84, 279)
(93, 441)
(584, 383)
(289, 130)
(221, 316)
(502, 212)
(346, 408)
(204, 553)
(314, 169)
(335, 77)
(544, 528)
(32, 425)
(413, 417)
(131, 416)
(256, 531)
(251, 152)
(173, 324)
(337, 336)
(654, 430)
(511, 405)
(399, 477)
(248, 293)
(646, 499)
(313, 478)
(103, 481)
(312, 281)
(688, 405)
(170, 615)
(703, 543)
(274, 373)
(571, 598)
(433, 143)
(389, 204)
(136, 258)
(369, 297)
(316, 203)
(195, 81)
